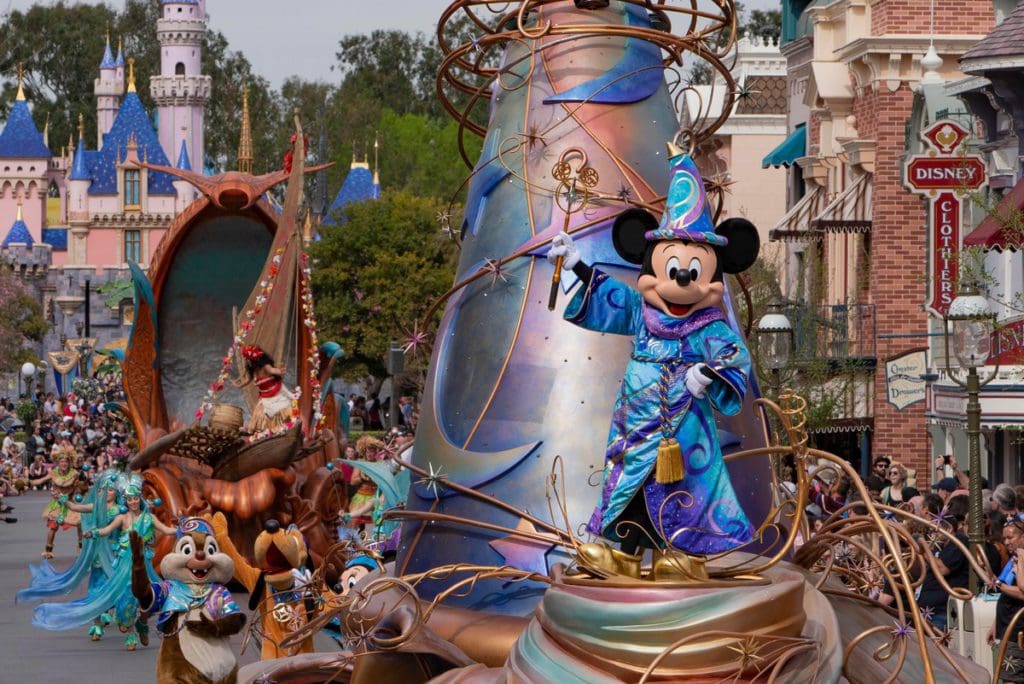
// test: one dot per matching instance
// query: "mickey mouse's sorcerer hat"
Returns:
(686, 214)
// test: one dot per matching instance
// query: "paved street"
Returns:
(33, 656)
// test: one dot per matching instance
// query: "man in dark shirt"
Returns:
(1011, 600)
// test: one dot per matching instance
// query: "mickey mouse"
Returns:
(665, 482)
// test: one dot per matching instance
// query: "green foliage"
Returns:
(376, 273)
(757, 24)
(26, 411)
(21, 321)
(116, 291)
(61, 46)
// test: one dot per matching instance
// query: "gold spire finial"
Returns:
(119, 45)
(108, 33)
(245, 139)
(19, 218)
(376, 157)
(21, 81)
(81, 127)
(46, 130)
(131, 74)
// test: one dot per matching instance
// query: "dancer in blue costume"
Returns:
(98, 508)
(114, 591)
(665, 482)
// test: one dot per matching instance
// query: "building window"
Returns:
(132, 245)
(132, 183)
(179, 69)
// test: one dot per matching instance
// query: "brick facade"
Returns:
(952, 17)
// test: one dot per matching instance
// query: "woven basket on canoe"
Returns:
(207, 445)
(273, 452)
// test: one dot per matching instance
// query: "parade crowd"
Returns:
(946, 505)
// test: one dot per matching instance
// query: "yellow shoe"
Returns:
(675, 566)
(626, 564)
(597, 556)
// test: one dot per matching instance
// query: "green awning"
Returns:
(791, 149)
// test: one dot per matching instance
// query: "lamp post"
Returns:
(775, 342)
(28, 372)
(972, 323)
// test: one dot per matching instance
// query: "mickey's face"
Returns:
(351, 577)
(681, 278)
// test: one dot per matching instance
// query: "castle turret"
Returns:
(181, 91)
(108, 88)
(78, 183)
(186, 193)
(26, 160)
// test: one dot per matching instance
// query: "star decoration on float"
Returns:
(533, 138)
(748, 652)
(525, 553)
(744, 91)
(497, 271)
(415, 339)
(434, 481)
(902, 630)
(624, 194)
(719, 183)
(1011, 664)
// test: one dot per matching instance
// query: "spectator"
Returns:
(1010, 584)
(893, 494)
(1005, 499)
(944, 488)
(881, 467)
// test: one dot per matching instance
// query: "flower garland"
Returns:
(309, 320)
(246, 326)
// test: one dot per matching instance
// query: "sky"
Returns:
(257, 28)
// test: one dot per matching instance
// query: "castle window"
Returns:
(132, 245)
(179, 69)
(132, 185)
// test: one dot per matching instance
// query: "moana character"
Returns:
(273, 411)
(665, 482)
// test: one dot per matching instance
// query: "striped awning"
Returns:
(795, 226)
(849, 212)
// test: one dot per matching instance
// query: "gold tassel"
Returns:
(669, 467)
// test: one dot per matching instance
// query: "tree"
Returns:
(758, 24)
(61, 46)
(376, 273)
(21, 322)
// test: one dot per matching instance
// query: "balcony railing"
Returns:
(841, 334)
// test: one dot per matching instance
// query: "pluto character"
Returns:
(665, 482)
(278, 585)
(196, 613)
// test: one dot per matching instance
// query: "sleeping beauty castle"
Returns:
(71, 222)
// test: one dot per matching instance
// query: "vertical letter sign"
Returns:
(944, 175)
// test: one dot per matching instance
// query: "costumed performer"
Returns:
(196, 614)
(278, 584)
(115, 591)
(665, 482)
(97, 558)
(273, 411)
(63, 479)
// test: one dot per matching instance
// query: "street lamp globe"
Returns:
(28, 369)
(972, 323)
(775, 337)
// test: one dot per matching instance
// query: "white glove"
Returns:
(561, 246)
(696, 381)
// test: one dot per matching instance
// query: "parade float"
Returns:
(497, 577)
(231, 274)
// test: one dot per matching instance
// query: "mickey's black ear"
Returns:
(628, 234)
(744, 244)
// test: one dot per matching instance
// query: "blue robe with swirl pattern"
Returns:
(700, 513)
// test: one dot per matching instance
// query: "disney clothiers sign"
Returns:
(944, 175)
